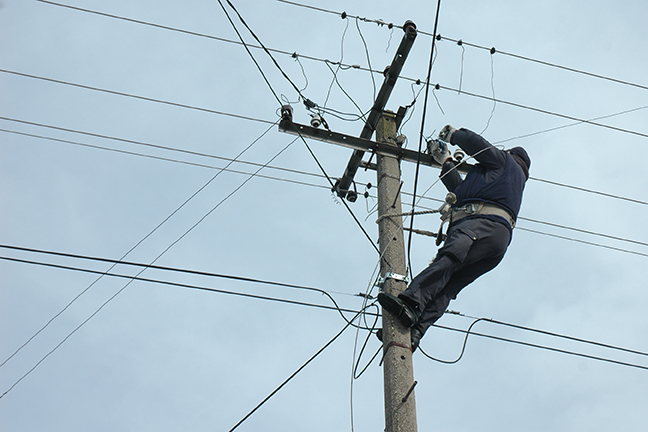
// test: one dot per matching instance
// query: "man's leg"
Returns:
(459, 280)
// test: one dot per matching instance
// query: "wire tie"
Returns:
(409, 392)
(389, 345)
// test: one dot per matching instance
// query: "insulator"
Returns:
(316, 121)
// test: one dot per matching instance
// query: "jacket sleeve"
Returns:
(476, 146)
(450, 177)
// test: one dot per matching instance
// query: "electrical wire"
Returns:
(153, 262)
(591, 191)
(265, 78)
(262, 46)
(547, 112)
(420, 144)
(133, 96)
(545, 63)
(492, 81)
(324, 60)
(294, 374)
(108, 272)
(460, 42)
(132, 249)
(328, 187)
(364, 43)
(338, 64)
(544, 347)
(252, 280)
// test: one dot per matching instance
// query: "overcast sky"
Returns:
(87, 97)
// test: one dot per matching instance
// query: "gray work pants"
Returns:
(472, 248)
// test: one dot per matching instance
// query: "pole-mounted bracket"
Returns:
(391, 275)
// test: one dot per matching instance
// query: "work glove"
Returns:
(439, 151)
(446, 133)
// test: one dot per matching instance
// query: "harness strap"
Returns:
(481, 208)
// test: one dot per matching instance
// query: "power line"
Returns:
(437, 86)
(543, 111)
(256, 281)
(420, 144)
(323, 60)
(76, 131)
(265, 78)
(202, 288)
(462, 43)
(328, 187)
(544, 347)
(153, 262)
(545, 63)
(129, 95)
(296, 372)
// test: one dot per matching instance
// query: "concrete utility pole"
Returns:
(400, 406)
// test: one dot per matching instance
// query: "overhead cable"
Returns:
(152, 262)
(543, 111)
(117, 93)
(202, 288)
(328, 187)
(420, 144)
(461, 42)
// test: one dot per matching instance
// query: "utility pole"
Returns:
(400, 406)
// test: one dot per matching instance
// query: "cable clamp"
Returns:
(391, 275)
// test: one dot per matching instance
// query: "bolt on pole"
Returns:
(400, 406)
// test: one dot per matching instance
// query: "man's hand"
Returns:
(446, 133)
(439, 151)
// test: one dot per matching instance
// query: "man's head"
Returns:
(522, 158)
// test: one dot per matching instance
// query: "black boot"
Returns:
(406, 313)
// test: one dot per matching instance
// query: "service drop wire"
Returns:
(420, 146)
(275, 391)
(463, 348)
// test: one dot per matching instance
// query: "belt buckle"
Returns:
(470, 208)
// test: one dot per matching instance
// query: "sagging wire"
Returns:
(437, 98)
(463, 52)
(463, 348)
(339, 64)
(364, 42)
(296, 57)
(411, 106)
(492, 52)
(335, 80)
(391, 34)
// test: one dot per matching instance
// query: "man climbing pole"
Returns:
(481, 222)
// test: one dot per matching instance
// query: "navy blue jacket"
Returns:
(497, 178)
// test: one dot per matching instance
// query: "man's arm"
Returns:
(450, 176)
(476, 146)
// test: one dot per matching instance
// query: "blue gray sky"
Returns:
(110, 128)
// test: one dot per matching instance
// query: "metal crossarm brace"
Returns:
(391, 74)
(360, 144)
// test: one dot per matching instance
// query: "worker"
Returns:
(480, 227)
